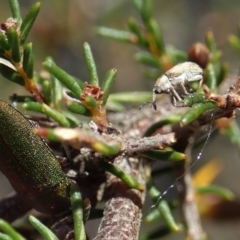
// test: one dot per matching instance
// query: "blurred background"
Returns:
(63, 26)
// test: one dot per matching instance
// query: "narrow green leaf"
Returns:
(4, 44)
(90, 102)
(5, 237)
(194, 112)
(14, 5)
(148, 59)
(14, 44)
(66, 79)
(146, 11)
(211, 77)
(135, 29)
(33, 106)
(130, 97)
(211, 42)
(157, 35)
(172, 119)
(28, 60)
(115, 106)
(11, 75)
(119, 35)
(42, 229)
(193, 98)
(28, 21)
(57, 93)
(164, 155)
(78, 108)
(234, 42)
(106, 149)
(92, 69)
(222, 73)
(73, 121)
(76, 203)
(10, 231)
(138, 4)
(55, 115)
(220, 191)
(162, 206)
(176, 55)
(232, 132)
(47, 90)
(129, 180)
(152, 216)
(107, 84)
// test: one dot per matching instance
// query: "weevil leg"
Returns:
(175, 94)
(184, 89)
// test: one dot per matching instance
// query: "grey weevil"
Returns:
(177, 81)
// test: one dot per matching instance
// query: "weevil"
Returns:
(30, 165)
(176, 81)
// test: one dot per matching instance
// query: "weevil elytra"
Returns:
(30, 166)
(176, 81)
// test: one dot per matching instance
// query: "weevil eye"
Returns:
(157, 90)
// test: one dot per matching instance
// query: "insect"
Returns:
(30, 165)
(176, 81)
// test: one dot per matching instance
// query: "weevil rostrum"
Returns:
(176, 81)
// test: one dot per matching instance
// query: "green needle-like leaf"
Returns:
(45, 232)
(211, 42)
(234, 42)
(33, 106)
(217, 190)
(138, 4)
(66, 79)
(157, 35)
(4, 44)
(130, 97)
(57, 93)
(163, 155)
(146, 11)
(194, 112)
(119, 35)
(10, 231)
(135, 29)
(193, 98)
(78, 109)
(222, 73)
(11, 75)
(172, 119)
(76, 203)
(55, 115)
(14, 5)
(28, 21)
(107, 84)
(28, 63)
(162, 206)
(47, 90)
(14, 44)
(5, 237)
(129, 180)
(152, 216)
(105, 149)
(90, 102)
(92, 69)
(211, 77)
(43, 108)
(148, 59)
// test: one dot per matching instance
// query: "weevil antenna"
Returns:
(144, 105)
